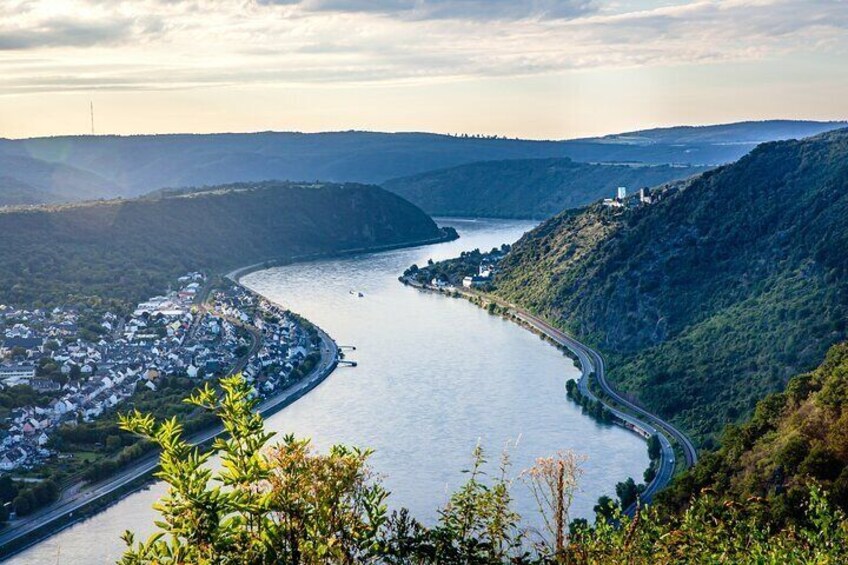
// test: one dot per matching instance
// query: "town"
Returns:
(78, 366)
(472, 269)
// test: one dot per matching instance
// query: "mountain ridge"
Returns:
(119, 251)
(695, 298)
(526, 188)
(135, 165)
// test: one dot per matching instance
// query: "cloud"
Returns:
(65, 33)
(168, 44)
(451, 9)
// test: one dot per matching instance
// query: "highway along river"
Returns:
(435, 375)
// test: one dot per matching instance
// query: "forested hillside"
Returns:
(713, 297)
(797, 438)
(135, 165)
(537, 188)
(118, 252)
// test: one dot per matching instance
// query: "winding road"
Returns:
(643, 422)
(627, 414)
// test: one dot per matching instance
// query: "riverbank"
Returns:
(449, 234)
(590, 363)
(91, 499)
(88, 499)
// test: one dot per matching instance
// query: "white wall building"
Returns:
(14, 374)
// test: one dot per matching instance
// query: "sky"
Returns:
(541, 69)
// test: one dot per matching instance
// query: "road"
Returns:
(67, 506)
(630, 416)
(646, 424)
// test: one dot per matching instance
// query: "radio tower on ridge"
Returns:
(91, 104)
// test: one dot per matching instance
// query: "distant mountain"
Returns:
(527, 188)
(735, 133)
(15, 192)
(712, 297)
(139, 164)
(26, 180)
(118, 252)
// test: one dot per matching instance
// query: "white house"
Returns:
(474, 281)
(440, 283)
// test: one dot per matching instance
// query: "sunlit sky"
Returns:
(536, 69)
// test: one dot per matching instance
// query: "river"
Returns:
(435, 376)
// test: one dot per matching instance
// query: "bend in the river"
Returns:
(435, 376)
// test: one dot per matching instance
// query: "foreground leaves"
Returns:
(284, 503)
(279, 504)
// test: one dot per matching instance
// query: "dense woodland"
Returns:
(530, 188)
(715, 296)
(116, 253)
(796, 439)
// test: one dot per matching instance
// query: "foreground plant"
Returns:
(266, 504)
(286, 504)
(554, 482)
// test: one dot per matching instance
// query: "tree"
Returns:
(654, 447)
(75, 373)
(478, 524)
(605, 509)
(627, 492)
(8, 490)
(266, 504)
(113, 442)
(553, 482)
(45, 493)
(821, 463)
(285, 504)
(25, 503)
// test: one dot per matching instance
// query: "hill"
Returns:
(739, 132)
(796, 438)
(26, 180)
(117, 252)
(14, 192)
(537, 188)
(135, 165)
(714, 296)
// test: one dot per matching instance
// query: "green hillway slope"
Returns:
(711, 298)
